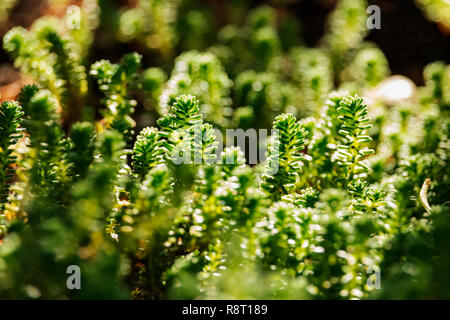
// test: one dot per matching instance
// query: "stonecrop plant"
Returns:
(127, 171)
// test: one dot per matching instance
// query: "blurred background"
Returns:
(412, 34)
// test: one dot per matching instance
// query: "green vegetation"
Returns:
(119, 169)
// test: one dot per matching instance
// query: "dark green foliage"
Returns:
(354, 123)
(184, 114)
(419, 279)
(10, 132)
(147, 151)
(282, 229)
(67, 66)
(366, 197)
(307, 198)
(51, 58)
(285, 156)
(10, 119)
(186, 138)
(350, 184)
(116, 81)
(81, 153)
(48, 161)
(202, 75)
(369, 68)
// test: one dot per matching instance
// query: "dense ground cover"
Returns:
(350, 202)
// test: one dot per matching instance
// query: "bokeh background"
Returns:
(413, 33)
